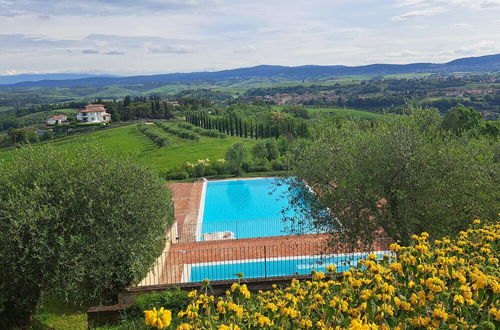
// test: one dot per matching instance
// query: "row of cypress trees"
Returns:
(236, 126)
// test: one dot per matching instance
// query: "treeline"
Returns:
(48, 107)
(157, 139)
(202, 131)
(139, 108)
(236, 126)
(182, 133)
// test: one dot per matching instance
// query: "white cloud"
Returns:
(158, 36)
(471, 4)
(419, 13)
(405, 3)
(462, 25)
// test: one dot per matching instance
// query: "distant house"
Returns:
(57, 120)
(93, 113)
(174, 103)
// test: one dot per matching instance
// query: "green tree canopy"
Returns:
(404, 176)
(80, 223)
(259, 150)
(235, 156)
(460, 118)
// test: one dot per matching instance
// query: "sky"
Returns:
(128, 37)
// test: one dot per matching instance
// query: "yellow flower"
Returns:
(228, 327)
(357, 324)
(440, 313)
(184, 326)
(344, 305)
(394, 247)
(495, 313)
(220, 307)
(331, 268)
(158, 319)
(420, 321)
(396, 266)
(305, 323)
(237, 309)
(476, 222)
(459, 299)
(435, 284)
(290, 312)
(366, 294)
(271, 306)
(318, 276)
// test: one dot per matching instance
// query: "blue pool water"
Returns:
(273, 267)
(248, 208)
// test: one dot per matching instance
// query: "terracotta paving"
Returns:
(187, 201)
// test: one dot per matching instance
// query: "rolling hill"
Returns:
(283, 73)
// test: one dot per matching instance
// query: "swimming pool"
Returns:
(247, 208)
(281, 266)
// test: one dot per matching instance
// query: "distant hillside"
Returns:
(307, 72)
(34, 77)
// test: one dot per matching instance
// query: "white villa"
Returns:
(93, 113)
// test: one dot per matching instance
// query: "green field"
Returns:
(129, 140)
(2, 108)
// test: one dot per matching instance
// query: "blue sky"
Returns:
(160, 36)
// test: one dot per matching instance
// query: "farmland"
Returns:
(128, 140)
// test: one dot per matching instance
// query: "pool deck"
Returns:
(187, 199)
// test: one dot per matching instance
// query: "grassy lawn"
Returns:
(129, 140)
(61, 316)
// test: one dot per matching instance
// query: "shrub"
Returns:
(219, 165)
(260, 165)
(176, 174)
(450, 284)
(210, 171)
(277, 165)
(246, 166)
(83, 235)
(173, 299)
(156, 138)
(202, 131)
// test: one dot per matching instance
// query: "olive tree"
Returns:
(404, 176)
(81, 224)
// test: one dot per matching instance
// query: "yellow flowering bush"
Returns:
(449, 284)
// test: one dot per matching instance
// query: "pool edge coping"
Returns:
(201, 210)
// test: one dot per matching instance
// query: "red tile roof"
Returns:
(93, 108)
